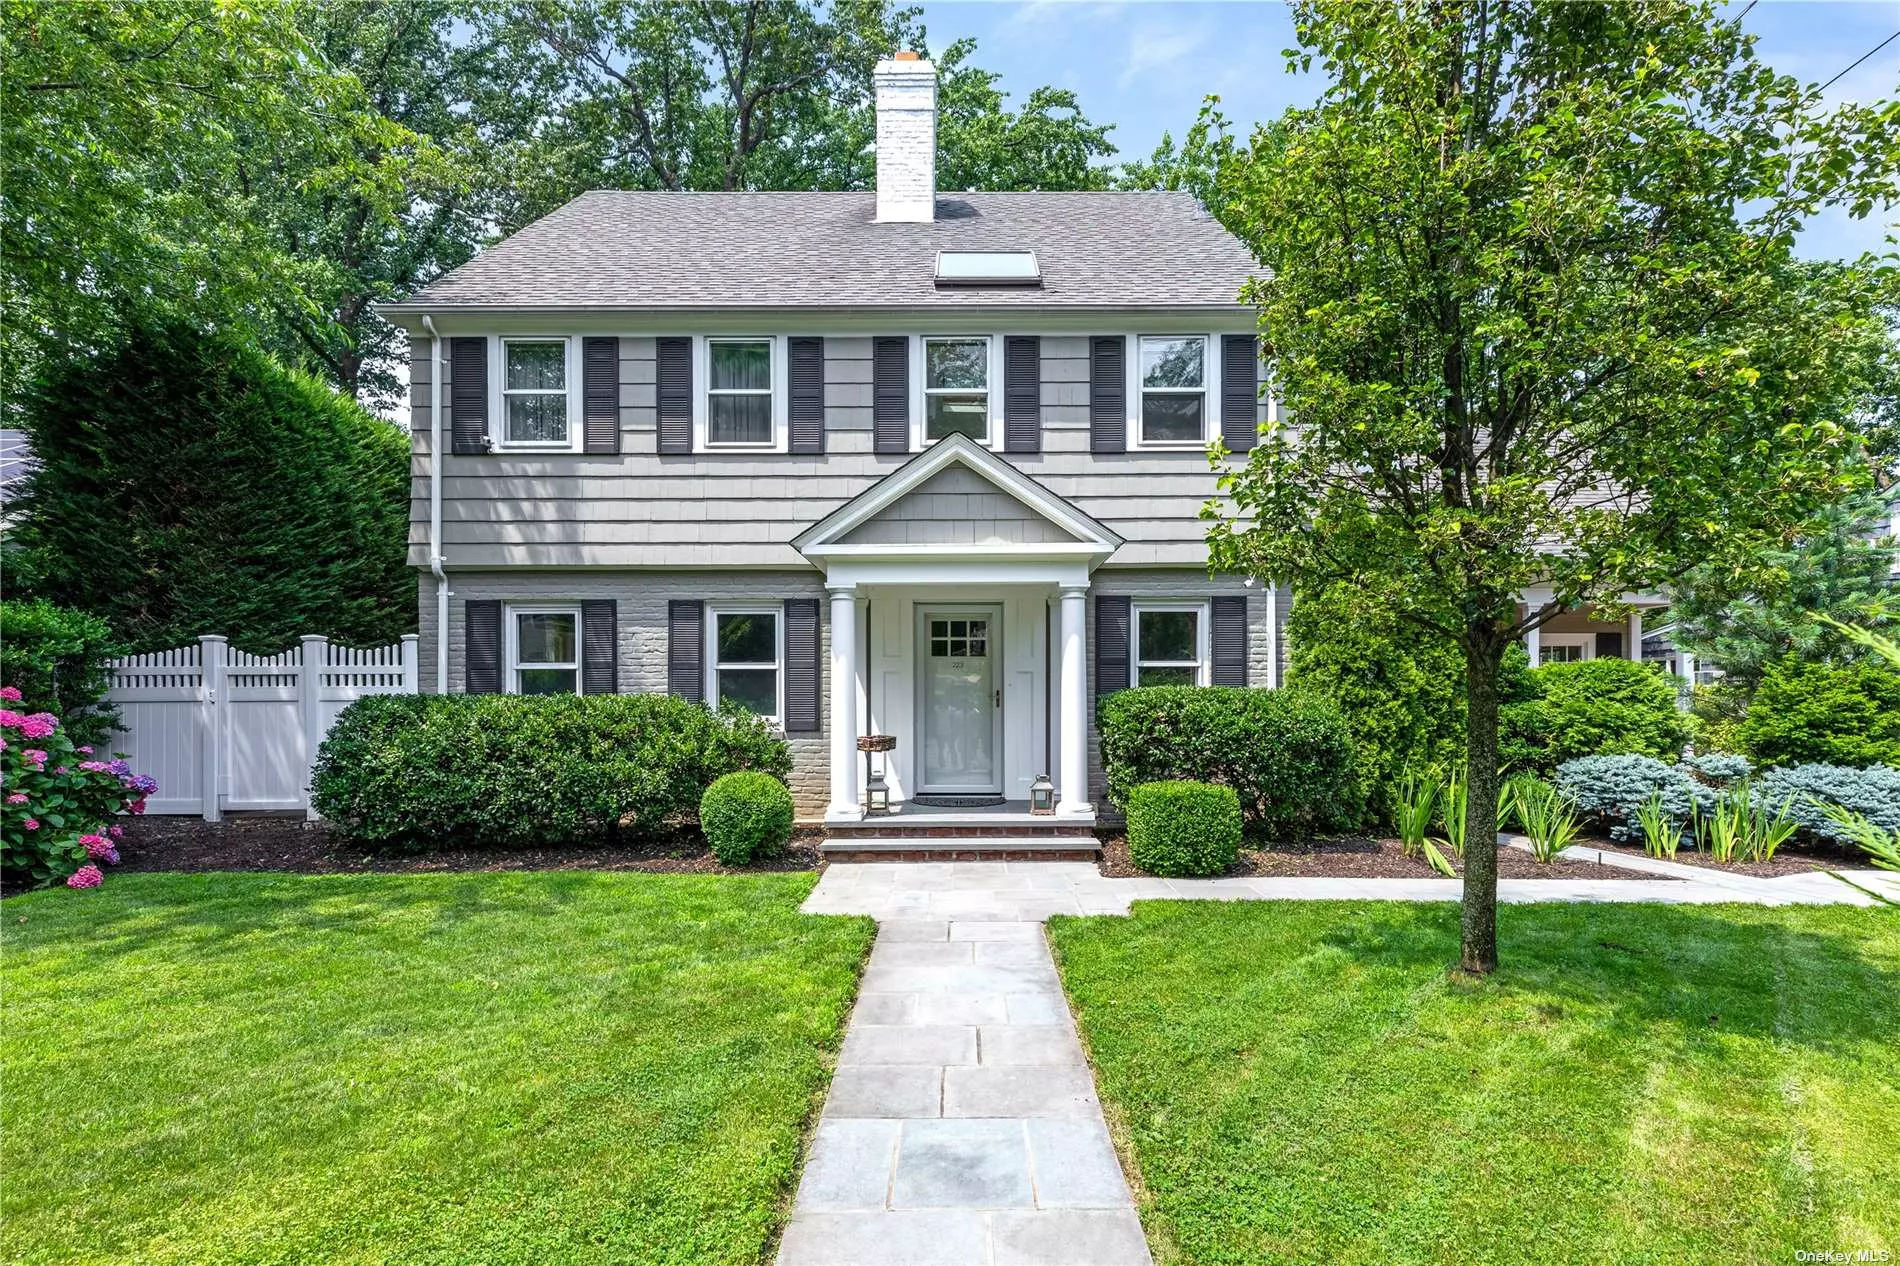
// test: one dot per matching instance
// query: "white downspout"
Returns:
(435, 509)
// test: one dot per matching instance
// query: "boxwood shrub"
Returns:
(1181, 828)
(746, 817)
(507, 771)
(1286, 754)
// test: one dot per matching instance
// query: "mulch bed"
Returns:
(1790, 858)
(1353, 857)
(272, 841)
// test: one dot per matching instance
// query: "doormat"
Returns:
(957, 802)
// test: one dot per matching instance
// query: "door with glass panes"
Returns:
(959, 699)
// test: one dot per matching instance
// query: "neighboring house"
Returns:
(907, 463)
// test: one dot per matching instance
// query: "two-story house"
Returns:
(915, 463)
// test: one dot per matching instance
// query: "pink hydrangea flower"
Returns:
(31, 824)
(9, 719)
(36, 756)
(136, 806)
(97, 846)
(94, 766)
(84, 751)
(87, 876)
(39, 725)
(10, 693)
(18, 797)
(116, 832)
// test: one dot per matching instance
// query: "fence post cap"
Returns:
(213, 637)
(412, 637)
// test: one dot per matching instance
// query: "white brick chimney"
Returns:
(906, 140)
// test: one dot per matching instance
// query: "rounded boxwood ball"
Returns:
(746, 816)
(1178, 829)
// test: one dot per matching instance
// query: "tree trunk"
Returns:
(1478, 924)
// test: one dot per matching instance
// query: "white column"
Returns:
(1533, 642)
(844, 707)
(1072, 786)
(310, 666)
(1635, 636)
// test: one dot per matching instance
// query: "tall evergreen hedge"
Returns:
(189, 484)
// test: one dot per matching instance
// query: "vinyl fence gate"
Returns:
(222, 729)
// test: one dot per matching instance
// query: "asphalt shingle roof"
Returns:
(612, 249)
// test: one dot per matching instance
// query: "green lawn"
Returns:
(535, 1068)
(1307, 1082)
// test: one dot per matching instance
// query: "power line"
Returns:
(1858, 60)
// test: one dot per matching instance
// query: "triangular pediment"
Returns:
(957, 497)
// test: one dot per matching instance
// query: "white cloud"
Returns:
(1157, 48)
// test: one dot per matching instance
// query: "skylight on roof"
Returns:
(988, 268)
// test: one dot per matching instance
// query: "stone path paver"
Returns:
(962, 1127)
(972, 891)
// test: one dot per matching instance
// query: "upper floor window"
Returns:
(1173, 390)
(1170, 644)
(534, 391)
(739, 392)
(957, 388)
(544, 650)
(744, 660)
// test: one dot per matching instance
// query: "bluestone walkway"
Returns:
(962, 1128)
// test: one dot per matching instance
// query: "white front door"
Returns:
(959, 699)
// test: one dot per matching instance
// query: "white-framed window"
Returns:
(745, 656)
(1566, 648)
(957, 373)
(1170, 644)
(544, 650)
(740, 411)
(1173, 385)
(535, 400)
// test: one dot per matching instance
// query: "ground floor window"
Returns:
(1565, 648)
(544, 650)
(1170, 644)
(745, 656)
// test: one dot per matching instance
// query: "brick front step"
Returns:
(992, 848)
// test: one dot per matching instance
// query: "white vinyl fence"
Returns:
(221, 729)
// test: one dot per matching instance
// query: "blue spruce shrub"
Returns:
(1610, 789)
(1874, 793)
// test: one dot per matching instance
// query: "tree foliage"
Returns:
(188, 484)
(1529, 296)
(1840, 565)
(133, 136)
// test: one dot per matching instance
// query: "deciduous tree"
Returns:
(1529, 297)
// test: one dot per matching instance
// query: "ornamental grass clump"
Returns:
(1548, 815)
(1181, 829)
(746, 817)
(57, 801)
(1414, 801)
(1662, 834)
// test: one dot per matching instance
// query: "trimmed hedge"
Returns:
(1178, 829)
(509, 771)
(746, 817)
(1831, 714)
(1599, 707)
(1286, 753)
(59, 660)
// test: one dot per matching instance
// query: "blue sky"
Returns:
(1145, 66)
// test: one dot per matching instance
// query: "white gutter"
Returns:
(435, 509)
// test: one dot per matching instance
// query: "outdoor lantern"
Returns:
(877, 795)
(1042, 795)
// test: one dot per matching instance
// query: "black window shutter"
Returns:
(600, 651)
(675, 391)
(1022, 394)
(1108, 395)
(807, 374)
(481, 659)
(890, 395)
(801, 665)
(468, 395)
(1229, 638)
(1609, 646)
(1111, 643)
(600, 394)
(686, 649)
(1240, 392)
